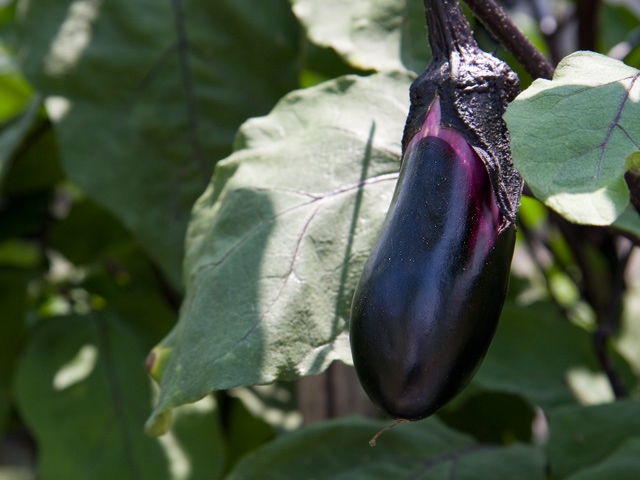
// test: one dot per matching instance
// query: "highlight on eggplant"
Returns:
(428, 302)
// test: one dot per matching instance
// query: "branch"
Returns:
(610, 324)
(494, 18)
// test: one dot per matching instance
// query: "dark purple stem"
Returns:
(448, 28)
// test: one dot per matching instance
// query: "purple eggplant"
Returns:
(431, 293)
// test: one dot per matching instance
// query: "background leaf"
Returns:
(147, 96)
(427, 449)
(622, 464)
(584, 437)
(278, 240)
(572, 137)
(13, 304)
(534, 353)
(383, 35)
(89, 369)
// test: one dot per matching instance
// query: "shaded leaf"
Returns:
(420, 450)
(23, 215)
(13, 303)
(36, 165)
(533, 353)
(89, 370)
(278, 240)
(629, 223)
(87, 232)
(384, 35)
(13, 134)
(146, 96)
(622, 464)
(574, 137)
(585, 437)
(491, 417)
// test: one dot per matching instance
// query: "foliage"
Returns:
(204, 180)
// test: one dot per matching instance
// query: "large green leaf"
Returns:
(422, 450)
(381, 35)
(146, 96)
(574, 137)
(82, 390)
(278, 240)
(600, 439)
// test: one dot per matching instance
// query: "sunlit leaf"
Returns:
(279, 239)
(574, 137)
(382, 35)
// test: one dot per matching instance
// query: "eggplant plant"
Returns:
(432, 290)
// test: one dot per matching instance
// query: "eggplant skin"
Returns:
(431, 293)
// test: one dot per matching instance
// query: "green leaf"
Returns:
(383, 35)
(491, 417)
(622, 464)
(15, 92)
(422, 450)
(13, 302)
(83, 392)
(278, 240)
(585, 437)
(87, 232)
(146, 96)
(14, 134)
(533, 353)
(572, 137)
(629, 222)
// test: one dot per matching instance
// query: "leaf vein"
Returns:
(614, 123)
(187, 85)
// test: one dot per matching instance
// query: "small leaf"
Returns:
(583, 437)
(572, 137)
(278, 240)
(340, 450)
(382, 36)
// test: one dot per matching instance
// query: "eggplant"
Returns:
(429, 298)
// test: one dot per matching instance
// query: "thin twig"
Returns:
(495, 19)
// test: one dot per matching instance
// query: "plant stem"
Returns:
(495, 19)
(609, 325)
(587, 11)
